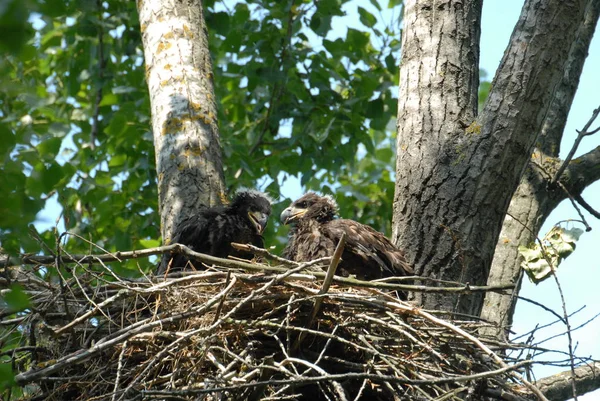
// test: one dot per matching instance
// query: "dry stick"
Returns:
(183, 338)
(335, 260)
(415, 311)
(119, 368)
(574, 203)
(83, 355)
(97, 308)
(570, 339)
(344, 376)
(220, 307)
(263, 252)
(251, 267)
(581, 134)
(215, 324)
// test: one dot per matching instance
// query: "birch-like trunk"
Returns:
(184, 117)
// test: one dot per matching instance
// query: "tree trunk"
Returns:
(455, 175)
(533, 201)
(184, 122)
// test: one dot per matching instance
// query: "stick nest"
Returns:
(226, 334)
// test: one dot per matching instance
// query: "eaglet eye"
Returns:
(302, 204)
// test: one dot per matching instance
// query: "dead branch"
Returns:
(558, 387)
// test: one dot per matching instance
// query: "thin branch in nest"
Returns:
(247, 266)
(346, 376)
(264, 253)
(475, 341)
(335, 260)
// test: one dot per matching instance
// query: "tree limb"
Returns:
(581, 134)
(6, 260)
(554, 124)
(558, 387)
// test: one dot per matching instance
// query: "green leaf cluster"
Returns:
(299, 95)
(75, 129)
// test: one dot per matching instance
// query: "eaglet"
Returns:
(315, 232)
(214, 229)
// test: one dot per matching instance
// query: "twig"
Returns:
(471, 338)
(581, 134)
(252, 267)
(119, 369)
(97, 307)
(264, 253)
(220, 306)
(572, 199)
(335, 260)
(570, 339)
(587, 206)
(344, 376)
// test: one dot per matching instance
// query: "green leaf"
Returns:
(7, 377)
(366, 18)
(117, 160)
(51, 176)
(358, 40)
(375, 4)
(13, 25)
(15, 299)
(109, 100)
(8, 140)
(321, 24)
(149, 243)
(49, 148)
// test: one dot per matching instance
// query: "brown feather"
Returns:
(368, 254)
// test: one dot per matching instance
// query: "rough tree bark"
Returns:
(186, 136)
(455, 174)
(535, 199)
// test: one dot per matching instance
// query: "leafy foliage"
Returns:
(75, 115)
(299, 96)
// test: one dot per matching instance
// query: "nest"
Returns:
(230, 334)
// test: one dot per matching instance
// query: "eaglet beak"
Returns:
(259, 220)
(291, 213)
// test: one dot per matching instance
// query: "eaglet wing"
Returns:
(368, 253)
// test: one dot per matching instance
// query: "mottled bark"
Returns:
(184, 116)
(558, 387)
(456, 174)
(534, 200)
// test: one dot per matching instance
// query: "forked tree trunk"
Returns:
(456, 174)
(535, 198)
(184, 115)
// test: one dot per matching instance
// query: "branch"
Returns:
(582, 171)
(581, 134)
(579, 199)
(6, 260)
(558, 387)
(555, 120)
(335, 260)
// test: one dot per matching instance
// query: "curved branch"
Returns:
(581, 134)
(582, 171)
(558, 387)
